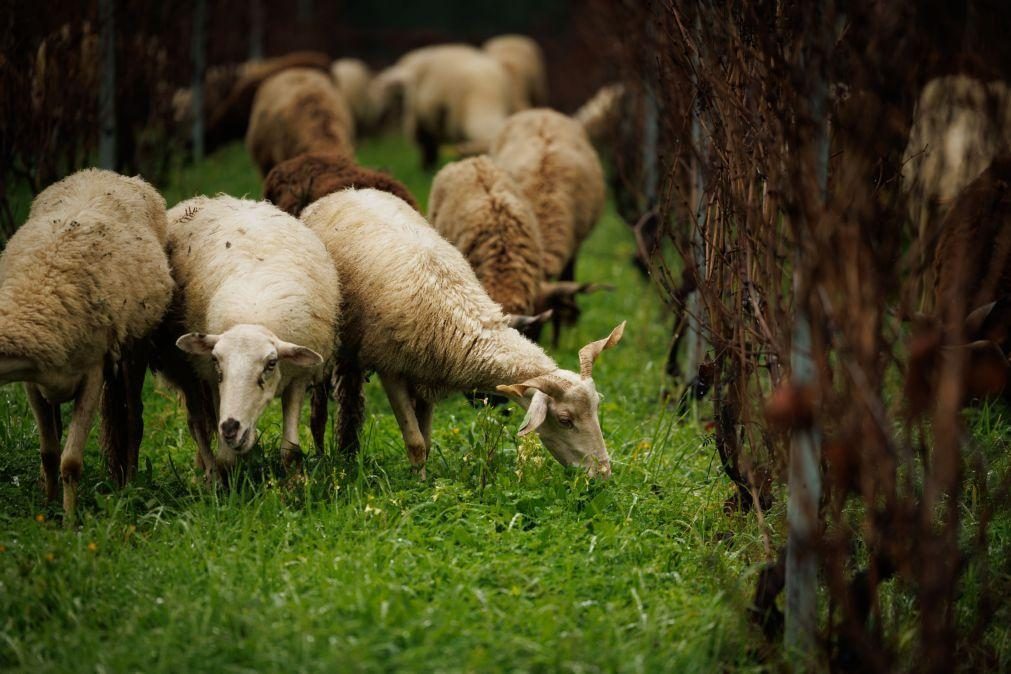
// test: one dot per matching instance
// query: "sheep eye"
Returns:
(271, 364)
(565, 422)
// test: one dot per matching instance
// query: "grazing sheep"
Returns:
(450, 93)
(229, 91)
(524, 61)
(960, 124)
(298, 111)
(294, 184)
(556, 167)
(258, 299)
(82, 281)
(414, 312)
(478, 208)
(352, 78)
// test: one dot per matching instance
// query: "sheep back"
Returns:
(412, 304)
(297, 182)
(352, 78)
(552, 160)
(86, 273)
(478, 208)
(238, 261)
(296, 111)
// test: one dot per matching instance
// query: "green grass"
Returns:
(501, 561)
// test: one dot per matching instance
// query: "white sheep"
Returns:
(85, 277)
(524, 61)
(450, 93)
(258, 301)
(414, 312)
(352, 78)
(296, 111)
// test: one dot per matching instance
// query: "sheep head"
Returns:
(247, 360)
(562, 408)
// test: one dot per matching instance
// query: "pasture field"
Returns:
(501, 561)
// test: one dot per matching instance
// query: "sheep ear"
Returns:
(197, 343)
(536, 414)
(517, 321)
(589, 353)
(298, 355)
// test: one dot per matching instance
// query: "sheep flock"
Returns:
(338, 274)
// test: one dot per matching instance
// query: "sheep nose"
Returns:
(229, 429)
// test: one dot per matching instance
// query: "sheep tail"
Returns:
(351, 402)
(122, 417)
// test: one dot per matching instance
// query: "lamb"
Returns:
(82, 282)
(352, 78)
(414, 312)
(294, 184)
(451, 93)
(256, 312)
(523, 60)
(298, 111)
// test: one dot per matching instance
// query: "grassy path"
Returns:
(503, 560)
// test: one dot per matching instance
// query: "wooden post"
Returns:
(198, 56)
(107, 86)
(804, 480)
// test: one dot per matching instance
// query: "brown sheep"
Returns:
(294, 184)
(478, 208)
(298, 111)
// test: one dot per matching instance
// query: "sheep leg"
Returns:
(291, 408)
(47, 418)
(428, 143)
(72, 460)
(318, 413)
(423, 412)
(351, 403)
(199, 423)
(399, 396)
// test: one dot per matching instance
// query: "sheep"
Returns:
(959, 125)
(229, 91)
(451, 93)
(82, 281)
(414, 312)
(256, 312)
(551, 159)
(478, 208)
(297, 182)
(352, 78)
(972, 260)
(524, 61)
(298, 111)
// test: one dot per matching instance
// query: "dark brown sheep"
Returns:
(294, 184)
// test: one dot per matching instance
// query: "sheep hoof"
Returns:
(292, 457)
(419, 470)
